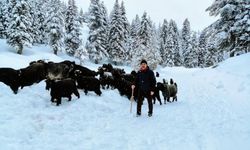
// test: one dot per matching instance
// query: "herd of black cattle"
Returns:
(65, 78)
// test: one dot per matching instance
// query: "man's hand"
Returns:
(151, 93)
(133, 87)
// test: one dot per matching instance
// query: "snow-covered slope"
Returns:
(212, 112)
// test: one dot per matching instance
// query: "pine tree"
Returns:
(163, 41)
(126, 29)
(2, 19)
(38, 23)
(169, 44)
(212, 53)
(117, 50)
(98, 25)
(133, 38)
(154, 56)
(81, 16)
(72, 26)
(146, 48)
(19, 34)
(186, 45)
(202, 49)
(170, 47)
(55, 26)
(233, 25)
(126, 26)
(176, 40)
(194, 51)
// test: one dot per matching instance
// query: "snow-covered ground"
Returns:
(213, 112)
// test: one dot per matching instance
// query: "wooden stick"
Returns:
(131, 100)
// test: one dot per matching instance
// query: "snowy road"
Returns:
(213, 112)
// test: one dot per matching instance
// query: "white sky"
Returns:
(158, 10)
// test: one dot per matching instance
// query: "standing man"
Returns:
(145, 82)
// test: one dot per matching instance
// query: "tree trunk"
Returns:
(20, 49)
(55, 51)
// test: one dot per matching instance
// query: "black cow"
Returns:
(106, 79)
(58, 70)
(107, 67)
(168, 90)
(87, 83)
(10, 77)
(34, 73)
(124, 85)
(61, 88)
(84, 70)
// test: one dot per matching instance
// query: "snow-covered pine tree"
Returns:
(213, 55)
(2, 20)
(154, 56)
(126, 26)
(72, 26)
(133, 38)
(163, 41)
(176, 40)
(126, 29)
(194, 50)
(81, 16)
(233, 26)
(188, 56)
(116, 50)
(63, 8)
(55, 26)
(19, 34)
(97, 41)
(8, 13)
(169, 44)
(135, 26)
(169, 47)
(38, 23)
(202, 50)
(185, 41)
(146, 48)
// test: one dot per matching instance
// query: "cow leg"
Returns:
(59, 101)
(153, 99)
(69, 98)
(175, 98)
(159, 99)
(168, 99)
(52, 99)
(77, 93)
(98, 92)
(14, 89)
(86, 92)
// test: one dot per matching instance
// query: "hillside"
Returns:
(212, 112)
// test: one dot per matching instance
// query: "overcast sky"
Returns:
(158, 10)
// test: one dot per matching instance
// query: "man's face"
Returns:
(144, 66)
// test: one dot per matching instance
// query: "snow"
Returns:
(212, 112)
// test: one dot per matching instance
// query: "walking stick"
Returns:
(131, 99)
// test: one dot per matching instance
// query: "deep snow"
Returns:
(212, 112)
